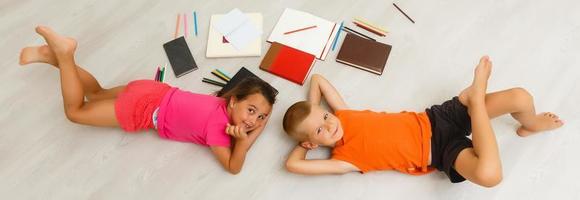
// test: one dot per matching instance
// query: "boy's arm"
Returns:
(297, 163)
(320, 87)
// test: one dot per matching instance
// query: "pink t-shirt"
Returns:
(190, 117)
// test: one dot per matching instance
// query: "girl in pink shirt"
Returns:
(240, 114)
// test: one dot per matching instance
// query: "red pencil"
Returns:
(300, 29)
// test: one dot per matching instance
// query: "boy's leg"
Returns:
(520, 105)
(92, 88)
(480, 164)
(98, 113)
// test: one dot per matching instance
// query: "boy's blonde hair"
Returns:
(294, 116)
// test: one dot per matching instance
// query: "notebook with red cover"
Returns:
(287, 62)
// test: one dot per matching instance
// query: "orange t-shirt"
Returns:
(385, 141)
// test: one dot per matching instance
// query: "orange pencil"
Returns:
(177, 25)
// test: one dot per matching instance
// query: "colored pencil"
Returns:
(185, 25)
(369, 29)
(177, 25)
(164, 70)
(220, 76)
(195, 22)
(223, 73)
(357, 33)
(162, 75)
(157, 74)
(368, 24)
(213, 82)
(294, 31)
(337, 35)
(403, 12)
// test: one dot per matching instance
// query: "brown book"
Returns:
(364, 54)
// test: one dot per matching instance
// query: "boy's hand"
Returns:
(238, 132)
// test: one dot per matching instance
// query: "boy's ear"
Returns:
(308, 145)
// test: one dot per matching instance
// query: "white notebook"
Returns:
(316, 41)
(216, 47)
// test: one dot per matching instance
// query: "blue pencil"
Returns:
(195, 22)
(337, 35)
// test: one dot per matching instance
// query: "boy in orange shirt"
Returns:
(409, 142)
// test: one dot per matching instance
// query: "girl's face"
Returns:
(249, 113)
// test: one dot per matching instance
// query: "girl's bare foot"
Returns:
(543, 122)
(37, 54)
(60, 45)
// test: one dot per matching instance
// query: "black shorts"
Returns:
(450, 125)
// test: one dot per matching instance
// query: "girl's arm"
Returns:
(320, 87)
(232, 159)
(297, 163)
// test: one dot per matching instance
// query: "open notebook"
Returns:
(218, 46)
(316, 41)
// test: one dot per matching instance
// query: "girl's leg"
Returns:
(97, 113)
(92, 88)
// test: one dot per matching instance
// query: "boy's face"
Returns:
(322, 128)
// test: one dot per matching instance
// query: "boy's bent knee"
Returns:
(488, 178)
(522, 97)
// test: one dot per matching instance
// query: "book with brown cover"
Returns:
(364, 54)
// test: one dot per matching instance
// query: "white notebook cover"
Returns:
(216, 48)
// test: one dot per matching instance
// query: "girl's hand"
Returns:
(238, 132)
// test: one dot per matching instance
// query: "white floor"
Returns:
(533, 44)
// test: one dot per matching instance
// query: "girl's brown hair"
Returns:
(249, 86)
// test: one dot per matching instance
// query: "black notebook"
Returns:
(242, 74)
(364, 54)
(179, 56)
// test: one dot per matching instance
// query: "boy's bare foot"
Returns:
(544, 122)
(60, 45)
(475, 93)
(37, 54)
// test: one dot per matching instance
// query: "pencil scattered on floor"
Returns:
(185, 25)
(364, 24)
(337, 36)
(177, 25)
(403, 12)
(195, 22)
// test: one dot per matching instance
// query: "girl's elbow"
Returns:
(234, 172)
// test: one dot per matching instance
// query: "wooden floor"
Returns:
(533, 44)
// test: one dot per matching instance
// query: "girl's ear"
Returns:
(233, 101)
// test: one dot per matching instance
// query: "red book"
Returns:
(287, 62)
